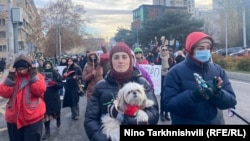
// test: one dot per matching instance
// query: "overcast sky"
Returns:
(107, 15)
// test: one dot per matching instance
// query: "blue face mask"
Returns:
(203, 55)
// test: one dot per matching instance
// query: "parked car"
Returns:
(241, 52)
(217, 51)
(232, 51)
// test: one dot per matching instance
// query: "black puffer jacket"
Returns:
(104, 92)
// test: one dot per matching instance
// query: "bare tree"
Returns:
(230, 20)
(64, 18)
(36, 35)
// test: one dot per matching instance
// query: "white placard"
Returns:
(155, 74)
(60, 70)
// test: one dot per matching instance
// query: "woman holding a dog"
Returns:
(121, 72)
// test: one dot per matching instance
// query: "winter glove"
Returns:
(51, 83)
(11, 76)
(33, 72)
(200, 93)
(215, 88)
(113, 112)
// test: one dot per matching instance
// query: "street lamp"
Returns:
(226, 25)
(226, 32)
(244, 4)
(137, 39)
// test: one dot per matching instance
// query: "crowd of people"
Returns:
(34, 91)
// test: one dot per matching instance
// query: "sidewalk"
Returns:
(239, 76)
(2, 77)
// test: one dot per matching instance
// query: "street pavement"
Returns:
(2, 76)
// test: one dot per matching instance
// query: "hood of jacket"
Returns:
(25, 58)
(93, 53)
(51, 64)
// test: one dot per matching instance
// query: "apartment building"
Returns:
(145, 12)
(29, 14)
(190, 4)
(3, 28)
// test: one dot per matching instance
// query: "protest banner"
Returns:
(155, 74)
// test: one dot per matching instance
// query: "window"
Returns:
(2, 34)
(2, 8)
(2, 22)
(3, 48)
(19, 1)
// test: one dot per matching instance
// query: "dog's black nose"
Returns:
(135, 94)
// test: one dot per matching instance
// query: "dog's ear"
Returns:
(121, 100)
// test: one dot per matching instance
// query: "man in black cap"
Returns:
(24, 87)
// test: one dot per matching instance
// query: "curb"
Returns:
(238, 76)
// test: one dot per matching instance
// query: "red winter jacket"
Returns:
(25, 106)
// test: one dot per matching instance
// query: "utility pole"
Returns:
(137, 39)
(226, 32)
(225, 10)
(244, 26)
(10, 33)
(15, 29)
(60, 42)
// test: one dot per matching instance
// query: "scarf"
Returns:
(164, 64)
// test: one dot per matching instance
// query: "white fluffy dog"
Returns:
(132, 94)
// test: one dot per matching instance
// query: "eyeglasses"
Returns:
(138, 52)
(164, 49)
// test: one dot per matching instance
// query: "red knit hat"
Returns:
(120, 47)
(194, 38)
(121, 77)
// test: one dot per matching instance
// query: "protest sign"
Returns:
(155, 74)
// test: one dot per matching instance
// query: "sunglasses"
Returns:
(138, 52)
(164, 49)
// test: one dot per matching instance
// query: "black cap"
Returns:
(21, 64)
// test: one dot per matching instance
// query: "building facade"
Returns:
(190, 4)
(29, 17)
(145, 12)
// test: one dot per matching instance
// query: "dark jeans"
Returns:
(75, 110)
(161, 102)
(31, 132)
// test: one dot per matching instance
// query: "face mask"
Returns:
(202, 56)
(22, 74)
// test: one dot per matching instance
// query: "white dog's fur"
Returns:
(130, 94)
